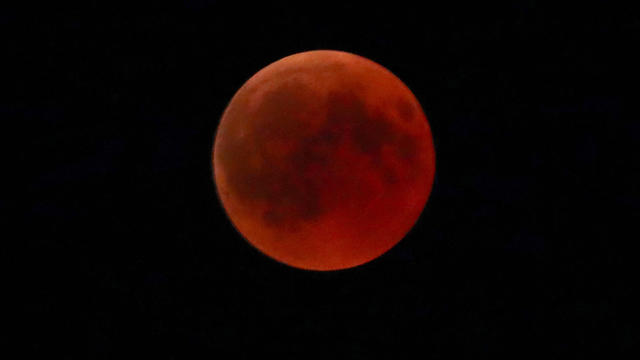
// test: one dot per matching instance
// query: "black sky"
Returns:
(523, 247)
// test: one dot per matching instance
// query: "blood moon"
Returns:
(323, 160)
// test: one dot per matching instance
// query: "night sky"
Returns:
(523, 247)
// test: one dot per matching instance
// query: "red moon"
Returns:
(323, 160)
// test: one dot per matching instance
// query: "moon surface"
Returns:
(323, 160)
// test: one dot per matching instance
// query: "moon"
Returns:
(323, 160)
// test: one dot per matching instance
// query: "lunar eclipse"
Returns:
(323, 160)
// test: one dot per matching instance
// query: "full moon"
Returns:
(323, 160)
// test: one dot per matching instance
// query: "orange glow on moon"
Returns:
(323, 160)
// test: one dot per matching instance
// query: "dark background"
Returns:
(523, 247)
